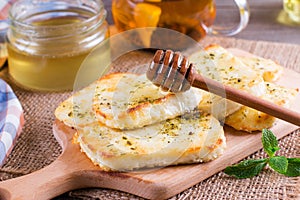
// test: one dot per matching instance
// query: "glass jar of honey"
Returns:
(49, 39)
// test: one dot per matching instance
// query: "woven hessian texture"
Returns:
(37, 147)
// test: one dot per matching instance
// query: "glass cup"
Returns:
(191, 17)
(292, 8)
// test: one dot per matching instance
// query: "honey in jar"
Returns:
(48, 41)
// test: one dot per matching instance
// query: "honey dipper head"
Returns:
(171, 71)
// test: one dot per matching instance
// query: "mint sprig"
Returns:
(247, 168)
(250, 168)
(269, 142)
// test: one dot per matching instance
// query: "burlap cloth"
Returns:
(37, 147)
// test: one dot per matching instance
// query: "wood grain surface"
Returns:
(73, 170)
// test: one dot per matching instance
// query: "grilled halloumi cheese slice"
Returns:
(124, 101)
(76, 111)
(128, 101)
(248, 119)
(219, 64)
(182, 140)
(269, 70)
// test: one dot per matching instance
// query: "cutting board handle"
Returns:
(73, 170)
(67, 172)
(46, 183)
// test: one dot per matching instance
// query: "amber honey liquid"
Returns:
(42, 72)
(186, 16)
(44, 68)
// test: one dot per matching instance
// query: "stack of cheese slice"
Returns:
(124, 122)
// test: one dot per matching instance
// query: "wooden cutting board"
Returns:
(73, 170)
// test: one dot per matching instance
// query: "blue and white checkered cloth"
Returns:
(11, 120)
(11, 112)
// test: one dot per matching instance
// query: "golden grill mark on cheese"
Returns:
(175, 141)
(128, 101)
(248, 119)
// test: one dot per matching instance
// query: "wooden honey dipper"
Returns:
(173, 72)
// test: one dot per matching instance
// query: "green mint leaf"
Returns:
(293, 168)
(269, 142)
(246, 169)
(279, 164)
